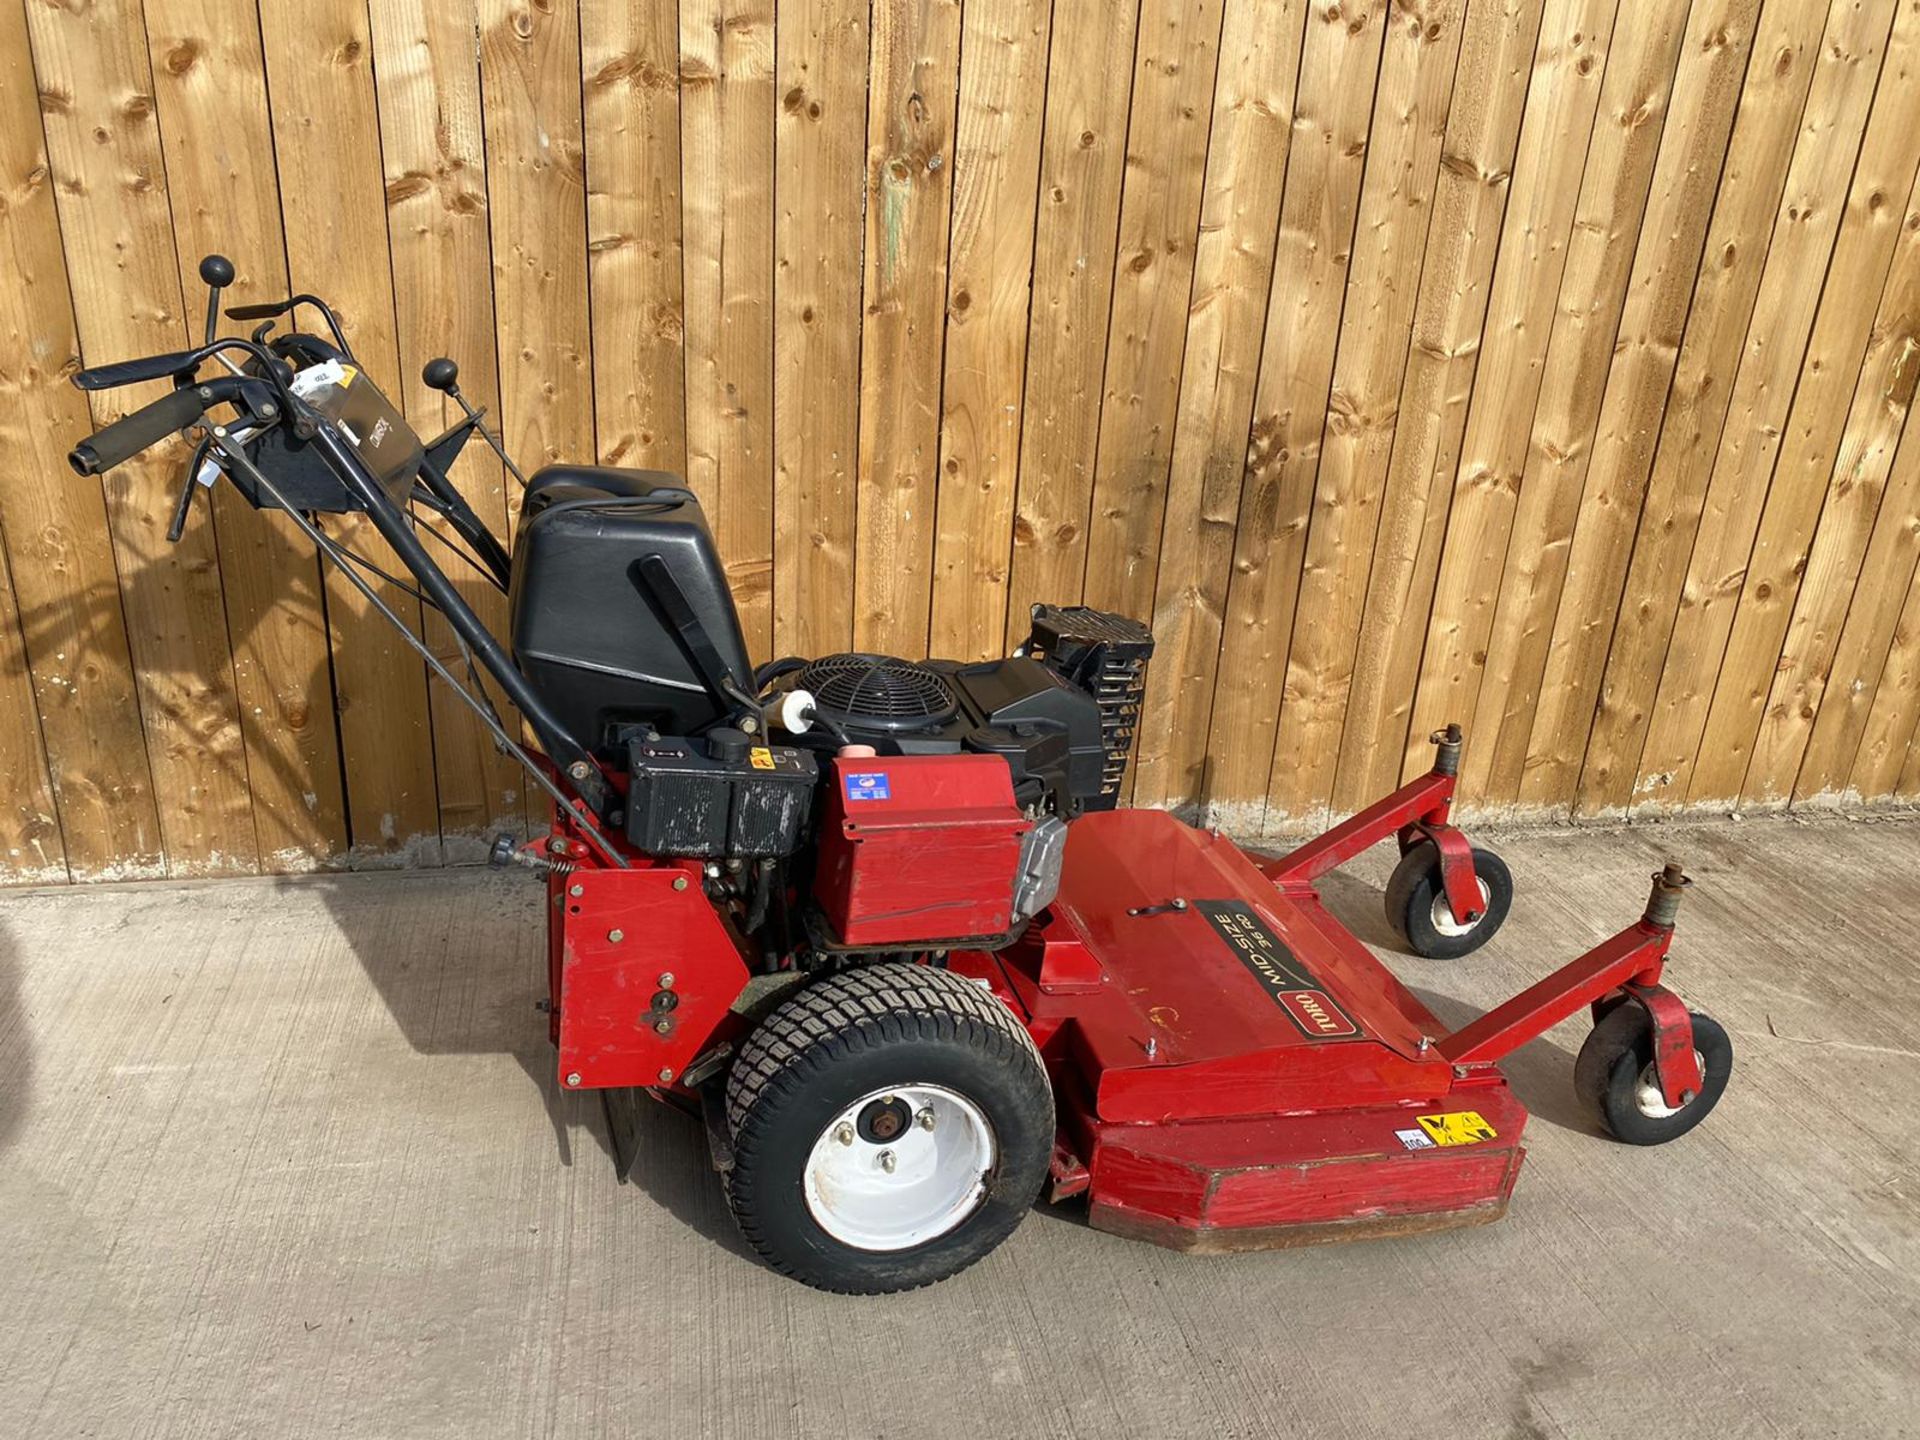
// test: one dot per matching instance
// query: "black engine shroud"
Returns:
(623, 621)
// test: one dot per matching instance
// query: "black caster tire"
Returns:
(1614, 1077)
(891, 1125)
(1417, 903)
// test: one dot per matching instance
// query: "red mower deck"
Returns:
(1232, 1068)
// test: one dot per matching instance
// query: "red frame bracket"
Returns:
(1456, 869)
(1675, 1062)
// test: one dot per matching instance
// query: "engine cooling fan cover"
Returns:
(879, 692)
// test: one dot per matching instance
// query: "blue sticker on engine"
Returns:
(868, 787)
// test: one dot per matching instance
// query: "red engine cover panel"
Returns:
(919, 848)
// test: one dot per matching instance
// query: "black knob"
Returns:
(727, 745)
(217, 271)
(441, 374)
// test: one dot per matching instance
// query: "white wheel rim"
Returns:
(905, 1189)
(1443, 920)
(1647, 1096)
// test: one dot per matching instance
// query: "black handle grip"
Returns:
(265, 311)
(132, 372)
(129, 435)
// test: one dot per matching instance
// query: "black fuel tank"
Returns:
(588, 631)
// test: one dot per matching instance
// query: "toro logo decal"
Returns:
(1278, 969)
(1314, 1013)
(872, 786)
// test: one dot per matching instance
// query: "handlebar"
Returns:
(129, 435)
(132, 372)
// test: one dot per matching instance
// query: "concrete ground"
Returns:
(287, 1159)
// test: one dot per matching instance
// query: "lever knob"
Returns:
(441, 374)
(217, 271)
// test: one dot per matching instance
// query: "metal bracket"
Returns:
(1675, 1063)
(1456, 869)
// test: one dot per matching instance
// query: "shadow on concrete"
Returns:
(1359, 906)
(494, 948)
(1540, 1071)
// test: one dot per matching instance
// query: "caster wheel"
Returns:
(1614, 1075)
(1417, 903)
(891, 1125)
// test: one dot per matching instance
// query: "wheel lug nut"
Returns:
(844, 1134)
(925, 1117)
(887, 1161)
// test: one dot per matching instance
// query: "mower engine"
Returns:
(851, 806)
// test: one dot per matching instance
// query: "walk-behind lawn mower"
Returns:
(882, 924)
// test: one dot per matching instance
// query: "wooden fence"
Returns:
(1539, 364)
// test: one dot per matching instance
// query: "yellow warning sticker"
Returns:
(761, 757)
(1462, 1127)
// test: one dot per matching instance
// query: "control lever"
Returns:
(443, 375)
(217, 272)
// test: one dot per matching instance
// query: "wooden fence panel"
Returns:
(1791, 54)
(996, 167)
(911, 95)
(1763, 389)
(1333, 108)
(74, 645)
(1247, 156)
(1403, 162)
(820, 150)
(1545, 365)
(436, 189)
(1686, 182)
(327, 137)
(117, 228)
(726, 146)
(1463, 241)
(1089, 86)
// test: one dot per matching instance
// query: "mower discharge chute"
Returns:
(883, 925)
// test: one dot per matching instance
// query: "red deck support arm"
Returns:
(1635, 954)
(1426, 799)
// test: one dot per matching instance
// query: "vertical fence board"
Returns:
(1706, 90)
(1601, 253)
(726, 146)
(74, 645)
(910, 114)
(30, 845)
(1829, 564)
(1763, 388)
(212, 105)
(1861, 654)
(1333, 107)
(1089, 87)
(436, 193)
(1247, 158)
(630, 59)
(1569, 65)
(1175, 57)
(1789, 53)
(820, 152)
(1815, 450)
(1422, 49)
(1470, 197)
(104, 144)
(1888, 731)
(996, 164)
(327, 138)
